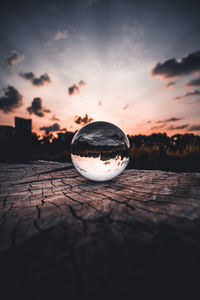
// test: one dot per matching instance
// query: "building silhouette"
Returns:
(65, 137)
(23, 124)
(6, 130)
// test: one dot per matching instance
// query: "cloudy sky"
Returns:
(94, 134)
(133, 63)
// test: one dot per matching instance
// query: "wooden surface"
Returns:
(65, 237)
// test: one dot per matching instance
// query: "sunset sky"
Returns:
(133, 63)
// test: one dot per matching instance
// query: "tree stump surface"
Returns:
(65, 237)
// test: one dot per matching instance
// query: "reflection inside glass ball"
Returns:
(100, 151)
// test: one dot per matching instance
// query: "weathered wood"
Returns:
(64, 237)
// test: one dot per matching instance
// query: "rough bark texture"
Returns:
(65, 237)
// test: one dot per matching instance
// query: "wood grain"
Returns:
(65, 237)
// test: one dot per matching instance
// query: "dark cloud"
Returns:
(14, 58)
(179, 127)
(37, 109)
(195, 127)
(75, 88)
(188, 94)
(125, 107)
(163, 123)
(157, 127)
(173, 119)
(171, 83)
(173, 68)
(52, 128)
(194, 82)
(11, 99)
(81, 83)
(37, 81)
(82, 120)
(54, 118)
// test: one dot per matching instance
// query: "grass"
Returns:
(162, 158)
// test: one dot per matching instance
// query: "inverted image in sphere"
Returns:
(100, 151)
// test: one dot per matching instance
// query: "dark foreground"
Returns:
(64, 237)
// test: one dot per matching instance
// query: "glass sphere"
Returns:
(100, 151)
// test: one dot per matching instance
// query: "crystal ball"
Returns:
(100, 151)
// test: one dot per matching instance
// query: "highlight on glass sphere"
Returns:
(100, 151)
